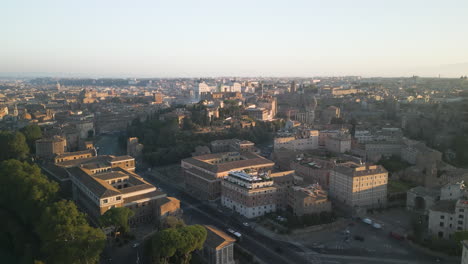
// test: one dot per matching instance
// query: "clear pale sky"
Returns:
(234, 38)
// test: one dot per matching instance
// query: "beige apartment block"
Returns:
(357, 185)
(204, 174)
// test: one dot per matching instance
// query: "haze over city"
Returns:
(233, 38)
(234, 132)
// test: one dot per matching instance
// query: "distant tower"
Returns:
(293, 87)
(260, 89)
(15, 110)
(58, 86)
(306, 110)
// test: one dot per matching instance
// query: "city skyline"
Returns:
(208, 38)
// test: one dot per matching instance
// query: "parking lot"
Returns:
(362, 239)
(358, 238)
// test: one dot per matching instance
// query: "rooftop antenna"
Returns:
(462, 185)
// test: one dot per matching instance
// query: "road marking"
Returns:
(385, 260)
(245, 235)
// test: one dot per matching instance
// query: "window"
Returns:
(442, 216)
(441, 224)
(461, 210)
(460, 216)
(460, 222)
(118, 198)
(105, 201)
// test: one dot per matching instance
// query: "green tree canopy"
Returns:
(24, 190)
(175, 245)
(172, 222)
(118, 218)
(32, 133)
(67, 237)
(36, 226)
(13, 146)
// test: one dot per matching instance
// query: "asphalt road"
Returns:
(264, 248)
(200, 213)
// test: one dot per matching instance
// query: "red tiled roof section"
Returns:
(216, 238)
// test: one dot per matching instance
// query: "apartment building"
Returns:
(89, 160)
(284, 180)
(447, 217)
(324, 135)
(86, 159)
(76, 155)
(356, 185)
(248, 194)
(313, 170)
(48, 148)
(235, 145)
(203, 174)
(304, 140)
(259, 113)
(310, 199)
(418, 151)
(375, 150)
(465, 252)
(339, 142)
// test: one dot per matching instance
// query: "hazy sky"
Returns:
(232, 38)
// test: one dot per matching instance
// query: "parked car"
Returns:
(367, 221)
(245, 224)
(396, 235)
(377, 226)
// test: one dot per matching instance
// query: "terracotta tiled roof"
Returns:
(99, 187)
(216, 238)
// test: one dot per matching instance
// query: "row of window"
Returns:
(459, 216)
(118, 198)
(441, 224)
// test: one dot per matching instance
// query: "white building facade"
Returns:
(248, 194)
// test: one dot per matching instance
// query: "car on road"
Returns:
(367, 221)
(235, 233)
(397, 235)
(135, 245)
(281, 219)
(377, 226)
(246, 224)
